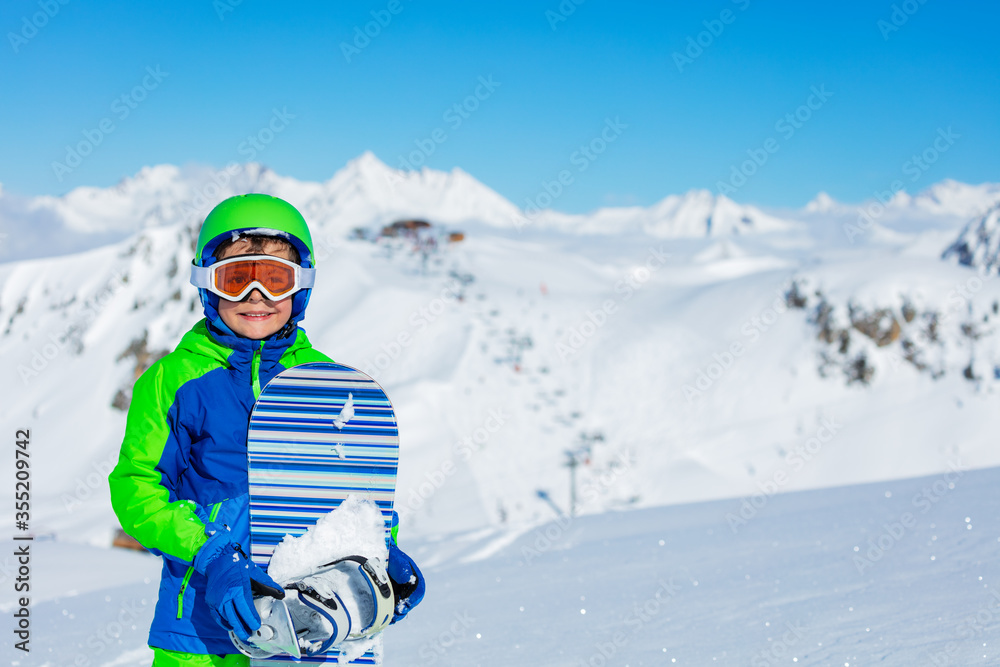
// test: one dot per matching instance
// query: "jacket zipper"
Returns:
(255, 370)
(187, 575)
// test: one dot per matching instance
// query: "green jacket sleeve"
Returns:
(139, 494)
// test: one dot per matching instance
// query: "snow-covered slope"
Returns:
(896, 573)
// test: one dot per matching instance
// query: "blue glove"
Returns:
(407, 580)
(230, 576)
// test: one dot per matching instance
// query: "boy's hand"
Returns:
(230, 575)
(407, 580)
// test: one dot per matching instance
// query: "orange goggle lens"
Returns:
(277, 278)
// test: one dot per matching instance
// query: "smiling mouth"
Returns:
(256, 316)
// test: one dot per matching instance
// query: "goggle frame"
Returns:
(204, 277)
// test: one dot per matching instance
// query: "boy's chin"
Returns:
(254, 330)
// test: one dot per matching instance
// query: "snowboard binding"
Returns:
(312, 618)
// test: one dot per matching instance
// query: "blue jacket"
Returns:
(183, 463)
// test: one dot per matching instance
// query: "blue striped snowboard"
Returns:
(305, 458)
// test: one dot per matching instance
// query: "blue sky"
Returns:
(558, 81)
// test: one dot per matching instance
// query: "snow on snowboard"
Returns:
(319, 433)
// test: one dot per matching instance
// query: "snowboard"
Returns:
(318, 432)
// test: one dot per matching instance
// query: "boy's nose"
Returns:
(255, 295)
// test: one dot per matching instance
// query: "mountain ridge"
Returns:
(369, 193)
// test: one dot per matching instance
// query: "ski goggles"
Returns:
(234, 278)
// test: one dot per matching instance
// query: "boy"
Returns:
(180, 486)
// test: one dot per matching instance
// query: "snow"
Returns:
(259, 231)
(978, 246)
(356, 528)
(945, 199)
(960, 199)
(697, 213)
(681, 583)
(346, 413)
(822, 203)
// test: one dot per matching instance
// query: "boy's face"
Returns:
(256, 316)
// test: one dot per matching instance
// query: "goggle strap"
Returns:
(307, 278)
(201, 276)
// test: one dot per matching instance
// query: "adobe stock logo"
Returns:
(898, 18)
(455, 115)
(714, 28)
(582, 158)
(786, 126)
(915, 167)
(31, 26)
(381, 19)
(122, 107)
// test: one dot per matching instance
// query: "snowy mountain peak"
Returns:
(978, 246)
(962, 200)
(366, 167)
(367, 160)
(373, 193)
(694, 214)
(159, 175)
(822, 203)
(701, 213)
(901, 199)
(947, 199)
(367, 192)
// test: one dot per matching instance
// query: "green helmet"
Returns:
(254, 213)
